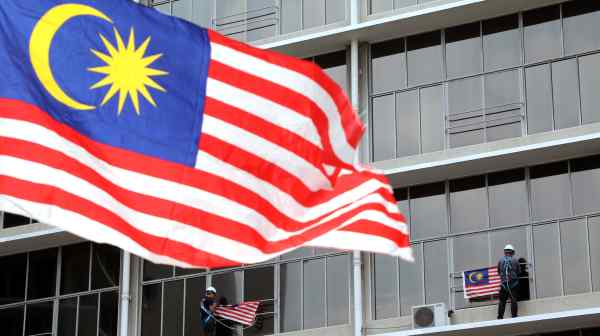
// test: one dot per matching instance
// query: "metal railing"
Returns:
(248, 21)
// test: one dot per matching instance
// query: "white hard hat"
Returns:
(211, 289)
(509, 247)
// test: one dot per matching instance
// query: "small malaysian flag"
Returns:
(244, 313)
(481, 282)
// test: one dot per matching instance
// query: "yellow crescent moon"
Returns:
(41, 41)
(471, 277)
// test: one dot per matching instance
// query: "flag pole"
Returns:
(125, 285)
(356, 257)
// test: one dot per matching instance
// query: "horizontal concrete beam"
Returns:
(494, 156)
(402, 22)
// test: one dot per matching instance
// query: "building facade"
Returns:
(485, 116)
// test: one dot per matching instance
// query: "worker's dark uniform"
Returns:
(206, 317)
(509, 270)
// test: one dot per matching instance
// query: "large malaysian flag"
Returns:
(129, 127)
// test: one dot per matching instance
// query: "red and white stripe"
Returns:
(273, 129)
(244, 313)
(491, 288)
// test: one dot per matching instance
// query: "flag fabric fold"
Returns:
(481, 282)
(178, 144)
(244, 313)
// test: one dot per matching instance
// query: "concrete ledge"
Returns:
(33, 237)
(402, 22)
(494, 156)
(541, 315)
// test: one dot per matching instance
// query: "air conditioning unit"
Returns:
(432, 315)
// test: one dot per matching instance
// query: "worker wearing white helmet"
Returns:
(207, 310)
(509, 270)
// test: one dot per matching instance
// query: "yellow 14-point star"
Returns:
(127, 71)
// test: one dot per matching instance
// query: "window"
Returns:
(290, 294)
(432, 118)
(385, 279)
(540, 109)
(468, 204)
(105, 266)
(151, 309)
(173, 308)
(566, 93)
(435, 259)
(154, 272)
(542, 34)
(388, 64)
(501, 42)
(259, 285)
(508, 198)
(194, 290)
(503, 105)
(470, 252)
(428, 210)
(384, 127)
(589, 76)
(548, 185)
(581, 23)
(586, 184)
(408, 123)
(424, 58)
(77, 314)
(314, 294)
(574, 254)
(313, 13)
(290, 16)
(463, 50)
(12, 283)
(546, 254)
(465, 112)
(334, 65)
(594, 227)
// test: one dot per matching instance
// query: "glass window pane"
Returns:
(67, 317)
(39, 318)
(314, 293)
(183, 9)
(194, 291)
(259, 284)
(384, 128)
(468, 204)
(424, 58)
(401, 196)
(589, 75)
(463, 50)
(581, 24)
(290, 297)
(385, 281)
(229, 285)
(388, 62)
(75, 272)
(575, 259)
(501, 42)
(173, 308)
(470, 252)
(261, 18)
(594, 225)
(436, 272)
(408, 124)
(404, 3)
(432, 119)
(465, 95)
(202, 12)
(502, 89)
(88, 315)
(41, 281)
(264, 325)
(290, 16)
(542, 34)
(106, 262)
(381, 6)
(338, 290)
(151, 309)
(11, 320)
(539, 99)
(109, 303)
(586, 184)
(335, 10)
(299, 253)
(550, 194)
(546, 254)
(334, 65)
(517, 237)
(154, 272)
(428, 210)
(411, 282)
(12, 278)
(313, 13)
(566, 93)
(11, 220)
(508, 198)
